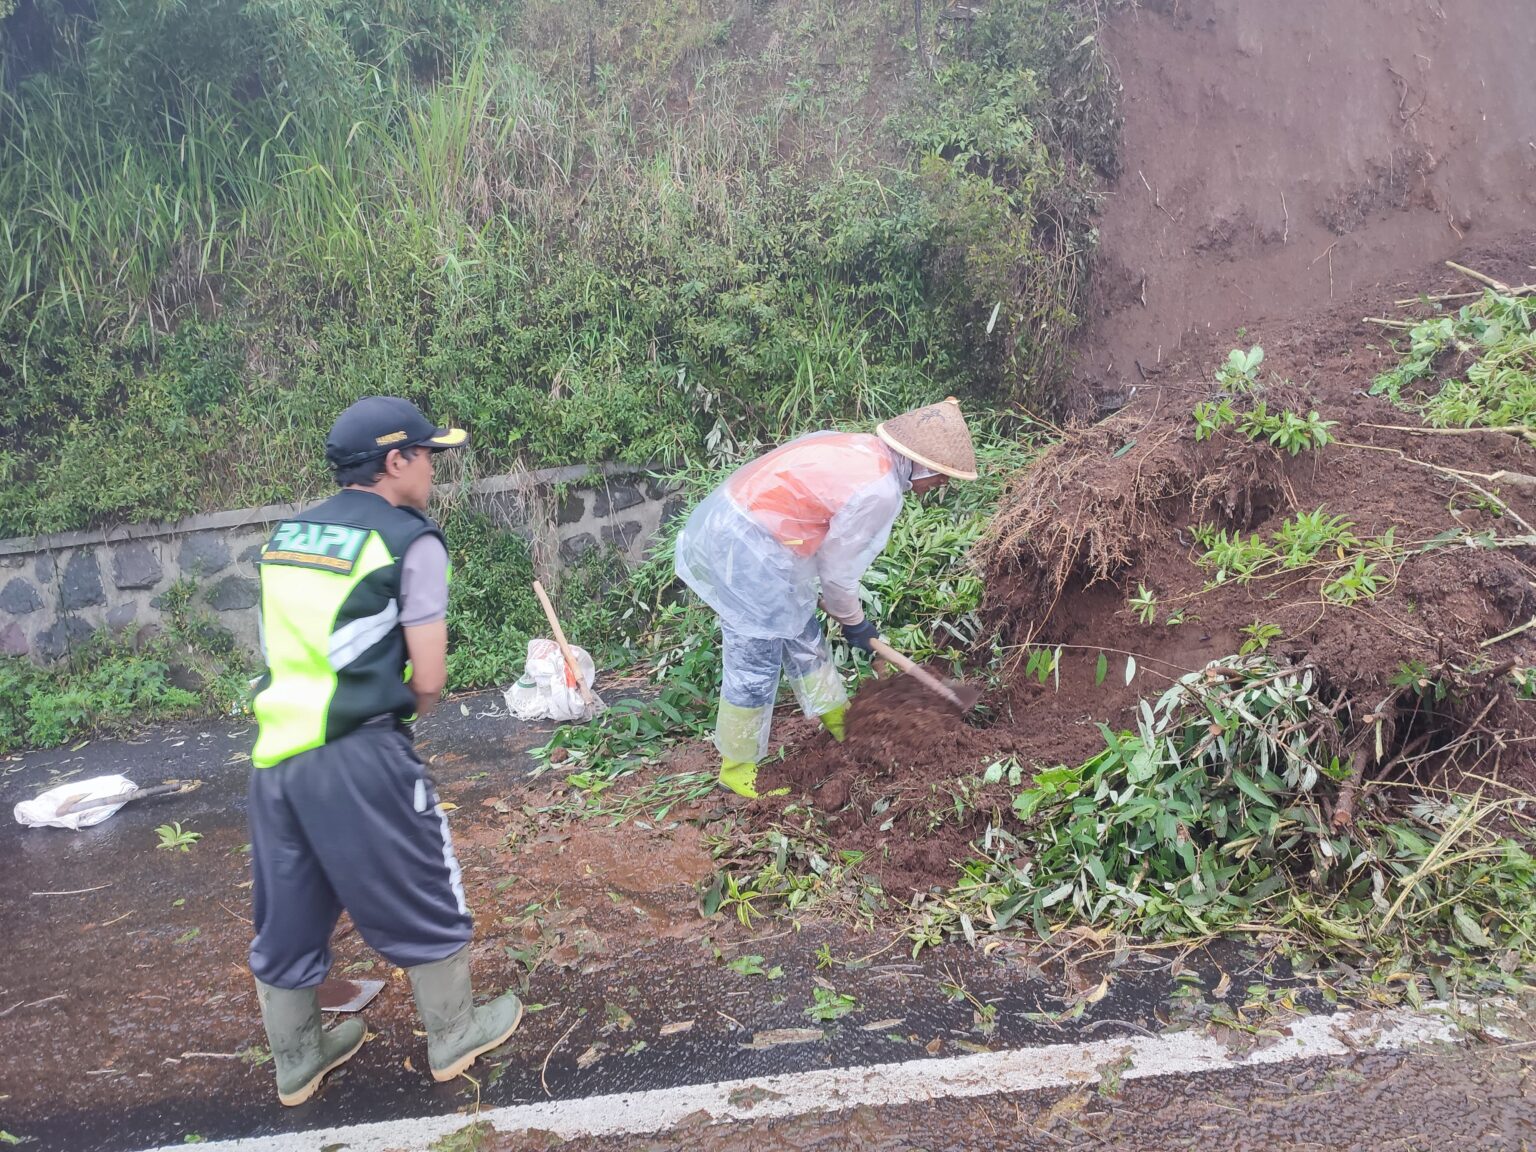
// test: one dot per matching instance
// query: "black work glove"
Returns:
(859, 635)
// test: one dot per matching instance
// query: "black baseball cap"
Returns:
(374, 425)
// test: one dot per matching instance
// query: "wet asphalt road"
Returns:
(56, 953)
(616, 1023)
(1434, 1101)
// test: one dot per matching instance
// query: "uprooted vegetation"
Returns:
(1381, 578)
(1390, 565)
(1267, 672)
(1229, 808)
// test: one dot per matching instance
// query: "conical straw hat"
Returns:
(935, 437)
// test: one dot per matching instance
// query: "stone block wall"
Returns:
(58, 591)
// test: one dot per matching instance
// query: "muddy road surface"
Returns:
(128, 1019)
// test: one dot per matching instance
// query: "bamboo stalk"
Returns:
(1521, 430)
(1344, 814)
(1513, 632)
(1443, 297)
(1496, 285)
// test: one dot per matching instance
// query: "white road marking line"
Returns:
(881, 1085)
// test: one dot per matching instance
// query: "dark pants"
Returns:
(352, 824)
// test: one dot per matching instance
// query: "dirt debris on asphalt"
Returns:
(1480, 1099)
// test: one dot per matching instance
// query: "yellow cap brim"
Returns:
(448, 438)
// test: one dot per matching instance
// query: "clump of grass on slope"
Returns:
(1476, 368)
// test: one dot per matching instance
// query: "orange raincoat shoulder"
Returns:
(795, 491)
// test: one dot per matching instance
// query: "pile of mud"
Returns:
(896, 728)
(905, 788)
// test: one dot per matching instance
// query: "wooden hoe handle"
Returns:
(565, 648)
(911, 669)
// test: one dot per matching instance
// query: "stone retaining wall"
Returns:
(58, 591)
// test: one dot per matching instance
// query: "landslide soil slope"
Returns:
(1280, 159)
(1288, 169)
(1114, 507)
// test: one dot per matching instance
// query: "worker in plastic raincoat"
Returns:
(809, 516)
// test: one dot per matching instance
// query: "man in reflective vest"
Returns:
(805, 520)
(354, 596)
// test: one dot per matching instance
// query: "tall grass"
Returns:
(660, 234)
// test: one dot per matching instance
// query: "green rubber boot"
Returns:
(740, 776)
(302, 1051)
(457, 1031)
(835, 721)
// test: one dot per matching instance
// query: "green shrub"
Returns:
(492, 611)
(102, 687)
(201, 270)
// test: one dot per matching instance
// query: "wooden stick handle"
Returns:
(927, 680)
(565, 648)
(125, 797)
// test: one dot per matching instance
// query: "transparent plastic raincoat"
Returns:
(807, 518)
(810, 515)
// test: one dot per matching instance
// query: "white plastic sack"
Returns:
(43, 811)
(547, 691)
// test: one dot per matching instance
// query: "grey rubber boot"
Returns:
(302, 1050)
(457, 1031)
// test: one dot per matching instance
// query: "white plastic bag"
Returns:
(547, 691)
(43, 811)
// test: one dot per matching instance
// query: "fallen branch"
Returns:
(1344, 814)
(74, 891)
(544, 1068)
(1459, 477)
(1494, 672)
(1523, 290)
(1496, 285)
(1325, 252)
(1155, 200)
(1386, 323)
(1521, 430)
(211, 1055)
(1513, 632)
(32, 1004)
